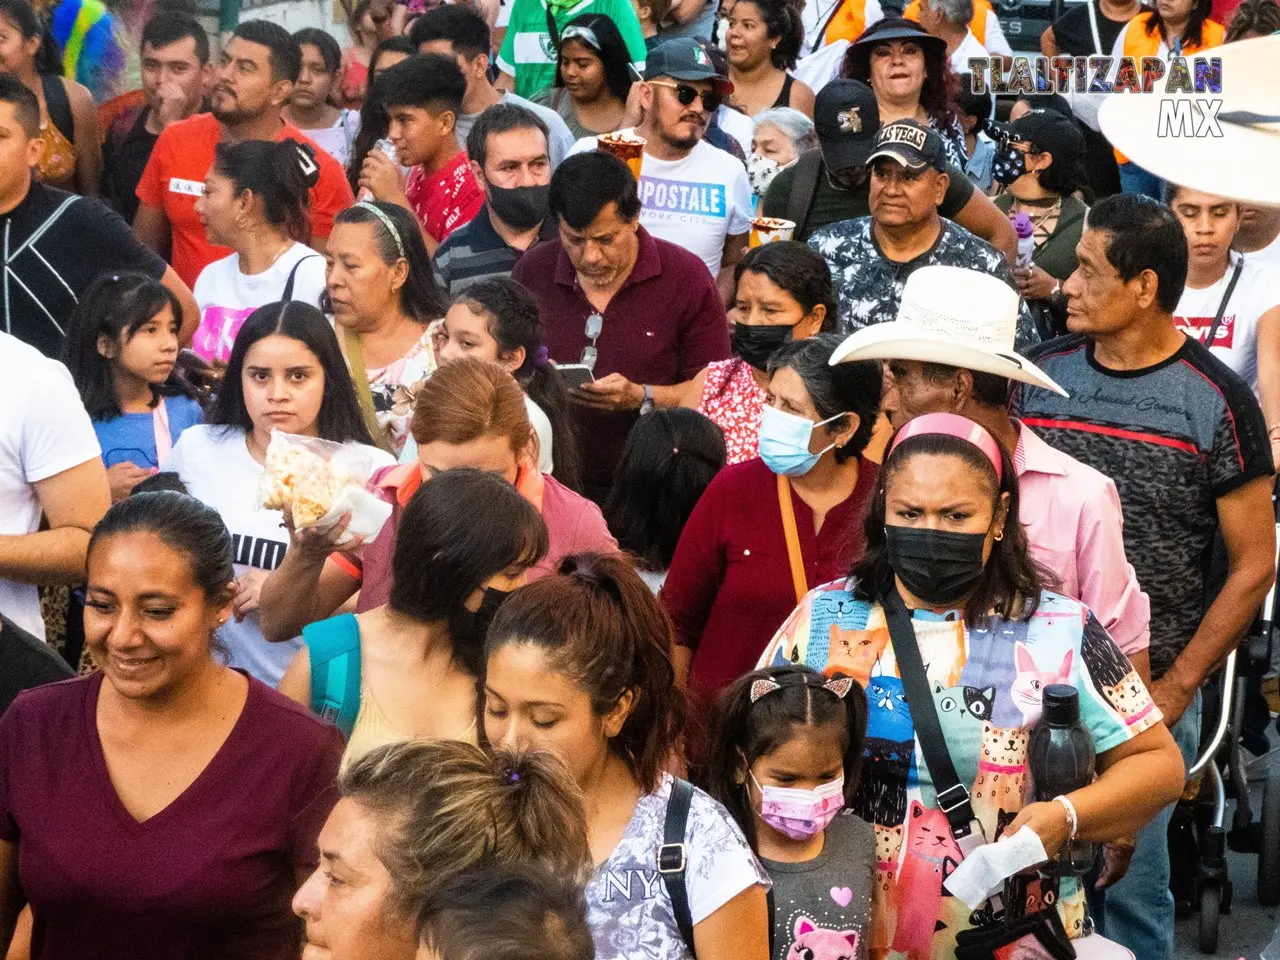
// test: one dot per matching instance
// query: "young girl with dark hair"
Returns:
(285, 373)
(465, 541)
(311, 107)
(593, 77)
(497, 320)
(580, 663)
(196, 785)
(255, 201)
(670, 458)
(786, 751)
(122, 345)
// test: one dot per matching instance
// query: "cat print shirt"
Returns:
(987, 687)
(822, 907)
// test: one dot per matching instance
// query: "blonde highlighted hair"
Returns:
(445, 805)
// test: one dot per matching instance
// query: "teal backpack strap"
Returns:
(334, 646)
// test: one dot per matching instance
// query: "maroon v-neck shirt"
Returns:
(209, 876)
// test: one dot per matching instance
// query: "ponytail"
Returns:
(602, 627)
(280, 174)
(444, 805)
(758, 713)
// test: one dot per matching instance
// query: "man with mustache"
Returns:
(257, 71)
(691, 194)
(871, 257)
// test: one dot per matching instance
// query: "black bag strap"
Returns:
(804, 188)
(293, 275)
(1222, 307)
(58, 104)
(673, 860)
(552, 29)
(772, 912)
(953, 797)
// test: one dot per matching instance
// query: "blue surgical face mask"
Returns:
(784, 442)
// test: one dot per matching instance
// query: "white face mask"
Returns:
(760, 171)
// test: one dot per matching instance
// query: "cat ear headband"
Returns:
(840, 686)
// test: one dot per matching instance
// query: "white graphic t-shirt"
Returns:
(1236, 341)
(694, 203)
(216, 466)
(628, 906)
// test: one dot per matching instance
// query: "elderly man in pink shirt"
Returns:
(960, 361)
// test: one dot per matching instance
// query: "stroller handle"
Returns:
(1228, 681)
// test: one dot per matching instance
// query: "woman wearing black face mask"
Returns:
(782, 293)
(947, 600)
(408, 669)
(1041, 174)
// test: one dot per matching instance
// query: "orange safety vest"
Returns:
(848, 23)
(978, 24)
(1138, 44)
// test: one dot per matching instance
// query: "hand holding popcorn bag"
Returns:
(319, 481)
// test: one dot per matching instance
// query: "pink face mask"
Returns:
(800, 814)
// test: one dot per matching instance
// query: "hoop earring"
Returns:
(999, 536)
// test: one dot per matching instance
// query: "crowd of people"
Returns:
(697, 593)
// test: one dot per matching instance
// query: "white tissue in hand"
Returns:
(369, 513)
(984, 871)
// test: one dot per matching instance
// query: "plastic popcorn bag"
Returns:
(318, 481)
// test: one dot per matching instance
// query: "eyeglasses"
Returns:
(595, 326)
(686, 94)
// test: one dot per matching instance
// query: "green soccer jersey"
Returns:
(528, 53)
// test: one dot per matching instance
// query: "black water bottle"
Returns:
(1062, 757)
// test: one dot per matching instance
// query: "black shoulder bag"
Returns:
(293, 275)
(672, 859)
(1222, 307)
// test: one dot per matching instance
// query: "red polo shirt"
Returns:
(729, 588)
(664, 325)
(174, 179)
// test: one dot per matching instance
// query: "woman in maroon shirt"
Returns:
(166, 807)
(733, 579)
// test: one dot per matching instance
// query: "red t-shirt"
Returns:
(445, 200)
(174, 179)
(210, 877)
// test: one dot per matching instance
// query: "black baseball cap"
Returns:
(912, 144)
(846, 117)
(1051, 132)
(683, 58)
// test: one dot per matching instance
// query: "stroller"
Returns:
(1198, 838)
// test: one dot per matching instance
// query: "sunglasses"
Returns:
(595, 326)
(686, 94)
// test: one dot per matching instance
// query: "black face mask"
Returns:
(520, 207)
(938, 566)
(468, 625)
(1009, 164)
(756, 345)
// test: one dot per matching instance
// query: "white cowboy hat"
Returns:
(953, 316)
(1241, 162)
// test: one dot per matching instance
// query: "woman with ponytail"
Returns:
(414, 815)
(71, 151)
(580, 663)
(255, 201)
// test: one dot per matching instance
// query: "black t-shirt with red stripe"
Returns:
(1174, 437)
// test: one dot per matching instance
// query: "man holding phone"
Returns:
(628, 316)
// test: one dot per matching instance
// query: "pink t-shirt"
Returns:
(574, 525)
(1074, 526)
(209, 877)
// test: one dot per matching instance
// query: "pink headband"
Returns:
(953, 425)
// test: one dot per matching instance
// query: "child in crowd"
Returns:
(122, 345)
(285, 373)
(786, 748)
(423, 99)
(497, 320)
(652, 14)
(311, 106)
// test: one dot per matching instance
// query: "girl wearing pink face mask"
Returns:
(787, 746)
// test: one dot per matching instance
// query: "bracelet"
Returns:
(1072, 820)
(1273, 430)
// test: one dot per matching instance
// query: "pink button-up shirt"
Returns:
(1071, 513)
